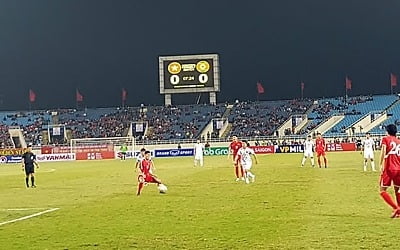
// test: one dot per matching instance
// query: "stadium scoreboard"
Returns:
(189, 74)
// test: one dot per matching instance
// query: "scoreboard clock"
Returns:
(189, 74)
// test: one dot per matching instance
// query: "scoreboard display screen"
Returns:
(189, 74)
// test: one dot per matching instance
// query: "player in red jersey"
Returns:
(145, 173)
(390, 167)
(234, 149)
(320, 148)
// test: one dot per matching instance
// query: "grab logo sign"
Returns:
(216, 151)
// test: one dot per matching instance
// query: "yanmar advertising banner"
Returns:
(56, 157)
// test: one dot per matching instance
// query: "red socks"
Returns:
(140, 187)
(237, 171)
(398, 198)
(242, 171)
(325, 162)
(319, 162)
(388, 199)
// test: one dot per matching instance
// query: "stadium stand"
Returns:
(322, 111)
(262, 118)
(394, 118)
(181, 122)
(30, 122)
(5, 139)
(248, 119)
(358, 107)
(354, 108)
(104, 122)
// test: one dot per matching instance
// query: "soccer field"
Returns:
(92, 205)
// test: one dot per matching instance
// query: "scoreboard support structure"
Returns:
(168, 99)
(189, 74)
(213, 98)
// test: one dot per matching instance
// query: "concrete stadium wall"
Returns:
(332, 121)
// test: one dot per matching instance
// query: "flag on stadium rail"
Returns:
(348, 83)
(79, 96)
(393, 80)
(302, 89)
(124, 94)
(32, 96)
(260, 88)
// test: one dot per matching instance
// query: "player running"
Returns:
(368, 151)
(308, 151)
(145, 174)
(320, 147)
(244, 156)
(233, 149)
(390, 167)
(198, 153)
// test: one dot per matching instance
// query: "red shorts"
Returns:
(147, 178)
(390, 177)
(320, 153)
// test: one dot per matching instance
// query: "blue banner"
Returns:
(10, 159)
(289, 149)
(174, 152)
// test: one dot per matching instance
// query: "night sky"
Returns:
(101, 46)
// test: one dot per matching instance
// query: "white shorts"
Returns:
(308, 153)
(369, 154)
(246, 165)
(198, 157)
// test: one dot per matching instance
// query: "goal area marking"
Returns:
(28, 216)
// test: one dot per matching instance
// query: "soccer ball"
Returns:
(162, 189)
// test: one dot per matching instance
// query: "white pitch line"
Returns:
(23, 209)
(29, 216)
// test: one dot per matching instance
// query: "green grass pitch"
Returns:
(288, 207)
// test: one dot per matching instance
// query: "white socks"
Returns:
(372, 166)
(304, 161)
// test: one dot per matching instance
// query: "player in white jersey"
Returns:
(308, 151)
(244, 154)
(368, 146)
(198, 153)
(140, 158)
